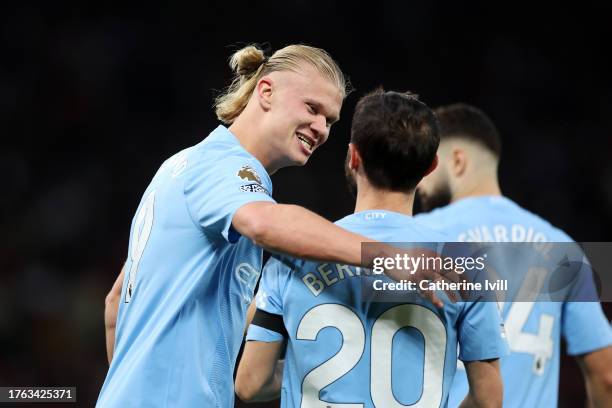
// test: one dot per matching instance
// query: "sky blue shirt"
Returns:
(534, 329)
(347, 347)
(189, 278)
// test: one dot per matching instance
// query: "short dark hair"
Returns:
(397, 136)
(464, 121)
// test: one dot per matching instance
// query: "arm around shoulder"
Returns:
(296, 231)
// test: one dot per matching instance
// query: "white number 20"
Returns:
(383, 330)
(140, 235)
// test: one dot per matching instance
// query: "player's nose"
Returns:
(319, 126)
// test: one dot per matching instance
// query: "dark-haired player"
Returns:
(466, 177)
(345, 348)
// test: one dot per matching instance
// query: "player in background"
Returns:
(466, 184)
(346, 347)
(195, 243)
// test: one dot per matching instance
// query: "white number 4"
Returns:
(540, 345)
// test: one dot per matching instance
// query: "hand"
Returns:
(412, 265)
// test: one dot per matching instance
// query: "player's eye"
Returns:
(311, 108)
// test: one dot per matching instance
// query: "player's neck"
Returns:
(369, 198)
(488, 187)
(250, 140)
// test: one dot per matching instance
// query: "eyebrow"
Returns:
(330, 119)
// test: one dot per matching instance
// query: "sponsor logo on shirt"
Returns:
(254, 188)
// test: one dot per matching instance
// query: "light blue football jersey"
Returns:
(347, 348)
(189, 279)
(534, 329)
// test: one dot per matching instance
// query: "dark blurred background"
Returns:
(94, 97)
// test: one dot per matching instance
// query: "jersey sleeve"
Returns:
(214, 191)
(270, 297)
(584, 327)
(480, 332)
(583, 322)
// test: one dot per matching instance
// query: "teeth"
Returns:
(305, 142)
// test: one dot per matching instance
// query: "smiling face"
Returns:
(301, 107)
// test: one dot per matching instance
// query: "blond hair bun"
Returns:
(247, 60)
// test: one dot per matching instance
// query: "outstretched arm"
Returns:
(296, 231)
(111, 307)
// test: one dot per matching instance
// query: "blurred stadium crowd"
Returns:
(93, 99)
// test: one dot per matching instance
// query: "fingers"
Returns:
(433, 298)
(440, 281)
(452, 295)
(427, 270)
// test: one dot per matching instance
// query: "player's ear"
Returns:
(354, 157)
(459, 162)
(264, 92)
(432, 166)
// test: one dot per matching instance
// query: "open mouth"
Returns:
(307, 143)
